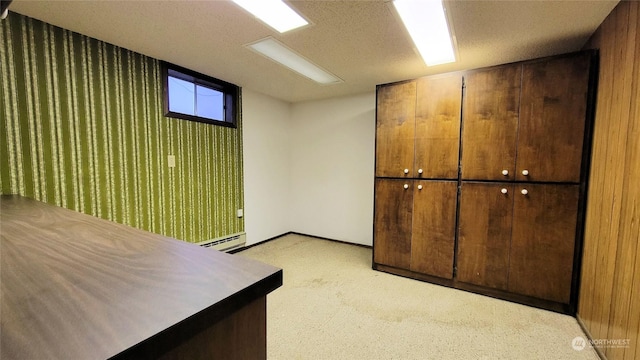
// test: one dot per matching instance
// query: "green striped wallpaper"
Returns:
(83, 128)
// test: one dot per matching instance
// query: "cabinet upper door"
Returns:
(485, 233)
(437, 139)
(434, 223)
(395, 129)
(543, 241)
(552, 119)
(392, 222)
(490, 123)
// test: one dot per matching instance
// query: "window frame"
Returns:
(231, 93)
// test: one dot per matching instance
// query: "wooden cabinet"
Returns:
(454, 154)
(395, 129)
(518, 237)
(543, 241)
(484, 235)
(434, 226)
(393, 222)
(415, 225)
(437, 137)
(418, 128)
(552, 119)
(526, 121)
(490, 118)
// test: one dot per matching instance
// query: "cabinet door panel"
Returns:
(552, 119)
(434, 222)
(395, 129)
(438, 126)
(490, 123)
(392, 223)
(485, 234)
(543, 239)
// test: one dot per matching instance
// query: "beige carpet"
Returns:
(334, 306)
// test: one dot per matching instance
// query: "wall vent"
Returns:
(226, 243)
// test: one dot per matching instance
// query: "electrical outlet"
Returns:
(171, 161)
(240, 213)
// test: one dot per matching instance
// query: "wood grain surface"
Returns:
(609, 303)
(490, 122)
(437, 144)
(393, 219)
(78, 287)
(542, 241)
(552, 119)
(240, 336)
(434, 227)
(484, 237)
(395, 129)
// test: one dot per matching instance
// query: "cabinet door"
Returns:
(392, 222)
(485, 233)
(437, 139)
(543, 239)
(552, 119)
(395, 129)
(490, 123)
(434, 222)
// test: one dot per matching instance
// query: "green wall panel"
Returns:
(82, 127)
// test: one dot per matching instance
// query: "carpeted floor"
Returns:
(334, 306)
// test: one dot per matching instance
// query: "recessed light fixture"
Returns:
(426, 23)
(274, 13)
(281, 54)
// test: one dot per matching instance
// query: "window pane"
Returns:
(210, 103)
(196, 97)
(181, 96)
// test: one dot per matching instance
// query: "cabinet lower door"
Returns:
(434, 222)
(392, 222)
(485, 234)
(543, 240)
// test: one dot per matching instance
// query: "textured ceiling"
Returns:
(362, 42)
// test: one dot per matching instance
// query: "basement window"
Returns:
(189, 95)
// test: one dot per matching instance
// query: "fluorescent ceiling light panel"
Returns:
(426, 23)
(274, 13)
(278, 52)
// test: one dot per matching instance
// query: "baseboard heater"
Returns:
(226, 243)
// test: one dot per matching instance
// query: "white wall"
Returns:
(266, 134)
(332, 168)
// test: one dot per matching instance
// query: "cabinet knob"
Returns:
(406, 171)
(525, 172)
(505, 172)
(419, 171)
(524, 191)
(406, 186)
(419, 187)
(504, 190)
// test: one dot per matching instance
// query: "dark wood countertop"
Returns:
(78, 287)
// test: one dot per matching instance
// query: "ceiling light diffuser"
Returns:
(274, 13)
(281, 54)
(426, 23)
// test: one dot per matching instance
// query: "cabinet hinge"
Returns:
(455, 271)
(464, 84)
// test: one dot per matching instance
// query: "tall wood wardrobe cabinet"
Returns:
(481, 178)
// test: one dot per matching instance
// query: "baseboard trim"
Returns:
(258, 243)
(588, 333)
(296, 233)
(329, 239)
